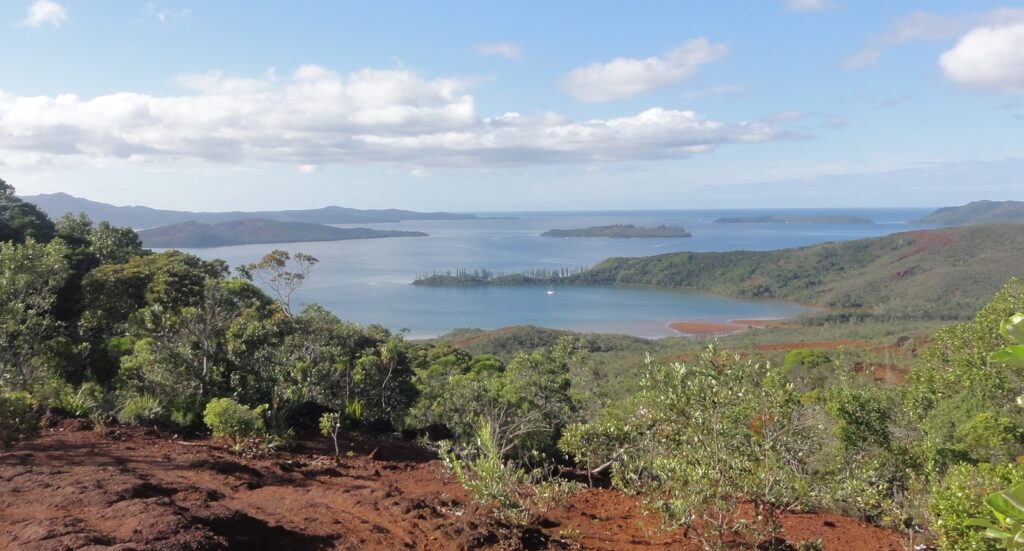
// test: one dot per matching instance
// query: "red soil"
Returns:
(733, 326)
(74, 489)
(818, 345)
(928, 239)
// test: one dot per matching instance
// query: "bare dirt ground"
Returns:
(135, 489)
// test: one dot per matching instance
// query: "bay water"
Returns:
(370, 281)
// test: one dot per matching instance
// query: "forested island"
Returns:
(194, 235)
(977, 212)
(793, 220)
(623, 231)
(928, 274)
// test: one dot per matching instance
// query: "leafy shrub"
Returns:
(862, 416)
(142, 410)
(882, 486)
(84, 402)
(332, 422)
(699, 438)
(17, 420)
(517, 496)
(236, 422)
(959, 497)
(810, 369)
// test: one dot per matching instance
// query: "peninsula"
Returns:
(977, 212)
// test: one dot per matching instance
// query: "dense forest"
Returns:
(92, 325)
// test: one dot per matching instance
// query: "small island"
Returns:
(195, 235)
(794, 220)
(622, 231)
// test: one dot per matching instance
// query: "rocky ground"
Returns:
(73, 488)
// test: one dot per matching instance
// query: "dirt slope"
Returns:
(75, 489)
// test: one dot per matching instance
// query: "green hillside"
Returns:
(978, 212)
(247, 232)
(922, 274)
(925, 275)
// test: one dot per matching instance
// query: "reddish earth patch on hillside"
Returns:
(732, 326)
(928, 239)
(815, 345)
(74, 489)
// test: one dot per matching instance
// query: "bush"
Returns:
(236, 422)
(700, 438)
(862, 417)
(87, 401)
(331, 423)
(959, 497)
(17, 420)
(517, 496)
(142, 410)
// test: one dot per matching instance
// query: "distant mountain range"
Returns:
(57, 204)
(191, 235)
(977, 212)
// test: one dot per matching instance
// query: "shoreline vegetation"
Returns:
(476, 278)
(794, 220)
(943, 274)
(620, 231)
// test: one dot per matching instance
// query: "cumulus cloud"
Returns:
(45, 12)
(317, 116)
(810, 5)
(922, 25)
(623, 77)
(499, 49)
(988, 57)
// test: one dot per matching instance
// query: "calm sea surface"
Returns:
(368, 281)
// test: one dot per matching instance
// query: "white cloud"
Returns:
(623, 77)
(500, 49)
(810, 5)
(988, 57)
(922, 25)
(317, 116)
(307, 169)
(45, 12)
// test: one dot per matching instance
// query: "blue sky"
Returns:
(514, 106)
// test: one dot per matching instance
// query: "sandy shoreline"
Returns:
(701, 328)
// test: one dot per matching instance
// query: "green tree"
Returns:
(31, 274)
(20, 221)
(115, 245)
(281, 272)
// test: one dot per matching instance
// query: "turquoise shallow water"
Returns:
(368, 281)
